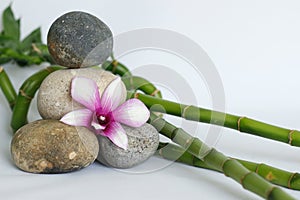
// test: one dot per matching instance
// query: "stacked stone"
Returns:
(77, 41)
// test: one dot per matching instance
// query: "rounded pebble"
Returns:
(49, 146)
(78, 39)
(142, 144)
(54, 99)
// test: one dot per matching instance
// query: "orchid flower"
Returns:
(104, 115)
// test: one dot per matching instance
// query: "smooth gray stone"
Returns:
(142, 144)
(50, 146)
(78, 39)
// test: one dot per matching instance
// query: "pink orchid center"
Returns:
(104, 119)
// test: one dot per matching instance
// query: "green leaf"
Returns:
(24, 60)
(8, 42)
(4, 59)
(33, 37)
(41, 50)
(4, 38)
(11, 26)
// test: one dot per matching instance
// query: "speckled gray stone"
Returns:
(142, 143)
(49, 146)
(78, 39)
(54, 99)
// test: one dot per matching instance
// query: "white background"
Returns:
(255, 46)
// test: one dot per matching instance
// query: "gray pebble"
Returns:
(142, 144)
(78, 39)
(49, 146)
(54, 99)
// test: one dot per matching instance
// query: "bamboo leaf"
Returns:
(11, 26)
(4, 59)
(33, 37)
(3, 39)
(41, 50)
(7, 42)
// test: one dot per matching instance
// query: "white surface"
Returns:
(255, 46)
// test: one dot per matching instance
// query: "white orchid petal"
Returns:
(132, 113)
(116, 134)
(81, 117)
(112, 96)
(85, 91)
(97, 126)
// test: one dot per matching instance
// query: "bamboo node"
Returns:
(36, 49)
(291, 136)
(49, 69)
(174, 133)
(290, 179)
(115, 64)
(243, 178)
(239, 123)
(184, 111)
(223, 163)
(136, 95)
(25, 95)
(155, 92)
(160, 152)
(270, 191)
(188, 142)
(156, 119)
(257, 168)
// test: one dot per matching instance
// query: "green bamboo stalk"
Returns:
(230, 167)
(134, 83)
(26, 94)
(242, 124)
(274, 175)
(7, 88)
(116, 67)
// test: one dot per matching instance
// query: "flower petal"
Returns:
(85, 91)
(116, 134)
(112, 96)
(81, 117)
(132, 113)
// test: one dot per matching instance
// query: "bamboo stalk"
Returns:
(241, 124)
(7, 88)
(26, 94)
(230, 167)
(116, 67)
(274, 175)
(137, 83)
(134, 83)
